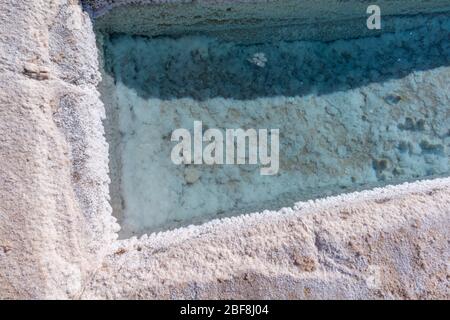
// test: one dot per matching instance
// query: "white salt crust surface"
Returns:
(52, 243)
(388, 243)
(55, 219)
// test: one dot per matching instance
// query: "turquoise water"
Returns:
(352, 114)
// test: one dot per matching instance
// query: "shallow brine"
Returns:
(350, 114)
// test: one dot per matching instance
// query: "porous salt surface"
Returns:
(352, 114)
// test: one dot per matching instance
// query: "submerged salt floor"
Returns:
(352, 114)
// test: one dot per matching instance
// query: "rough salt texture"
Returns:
(390, 243)
(55, 220)
(56, 227)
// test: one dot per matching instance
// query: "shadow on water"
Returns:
(203, 68)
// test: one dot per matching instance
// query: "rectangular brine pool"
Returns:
(203, 126)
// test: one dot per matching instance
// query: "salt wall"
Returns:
(58, 237)
(250, 21)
